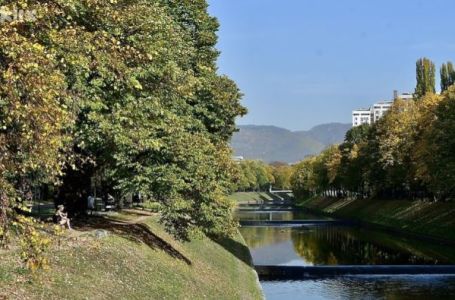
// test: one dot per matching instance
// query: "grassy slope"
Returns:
(428, 218)
(245, 197)
(121, 267)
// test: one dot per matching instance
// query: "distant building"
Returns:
(237, 158)
(361, 116)
(405, 96)
(377, 111)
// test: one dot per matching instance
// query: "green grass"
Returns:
(141, 263)
(151, 206)
(250, 197)
(426, 218)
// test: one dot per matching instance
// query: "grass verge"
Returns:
(251, 197)
(434, 219)
(136, 260)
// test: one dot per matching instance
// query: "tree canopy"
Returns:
(127, 89)
(425, 71)
(406, 154)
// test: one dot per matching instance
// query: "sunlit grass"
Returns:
(121, 266)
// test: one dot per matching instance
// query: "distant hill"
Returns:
(270, 143)
(329, 134)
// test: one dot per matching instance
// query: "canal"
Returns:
(344, 245)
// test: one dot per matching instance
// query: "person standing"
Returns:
(91, 203)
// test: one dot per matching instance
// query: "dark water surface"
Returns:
(364, 287)
(327, 245)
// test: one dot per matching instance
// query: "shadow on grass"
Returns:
(236, 248)
(136, 232)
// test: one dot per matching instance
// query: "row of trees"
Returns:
(406, 154)
(255, 175)
(125, 90)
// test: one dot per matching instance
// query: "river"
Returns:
(344, 245)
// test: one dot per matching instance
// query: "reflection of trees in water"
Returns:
(385, 288)
(331, 246)
(257, 237)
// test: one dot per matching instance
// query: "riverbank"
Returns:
(132, 257)
(251, 197)
(260, 197)
(429, 219)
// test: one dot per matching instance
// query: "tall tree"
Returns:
(395, 136)
(425, 74)
(447, 76)
(151, 114)
(437, 153)
(352, 161)
(35, 123)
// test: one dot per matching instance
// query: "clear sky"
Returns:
(305, 62)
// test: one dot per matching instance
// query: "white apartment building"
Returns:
(377, 111)
(361, 116)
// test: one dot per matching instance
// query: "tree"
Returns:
(303, 179)
(332, 164)
(396, 136)
(131, 87)
(352, 172)
(406, 154)
(425, 71)
(282, 175)
(254, 176)
(447, 76)
(34, 120)
(436, 159)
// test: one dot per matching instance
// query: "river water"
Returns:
(342, 245)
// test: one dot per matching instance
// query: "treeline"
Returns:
(122, 92)
(409, 153)
(255, 175)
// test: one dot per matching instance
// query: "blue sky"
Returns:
(302, 63)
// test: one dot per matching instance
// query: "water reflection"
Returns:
(344, 245)
(338, 246)
(271, 246)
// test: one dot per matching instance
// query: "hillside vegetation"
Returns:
(270, 143)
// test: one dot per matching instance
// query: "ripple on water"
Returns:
(364, 287)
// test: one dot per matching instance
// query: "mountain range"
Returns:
(271, 143)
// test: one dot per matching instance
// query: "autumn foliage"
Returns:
(124, 89)
(408, 154)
